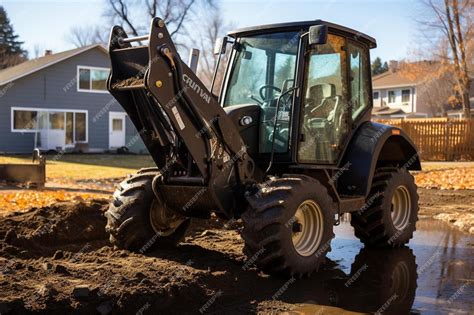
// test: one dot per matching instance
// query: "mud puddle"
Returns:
(441, 283)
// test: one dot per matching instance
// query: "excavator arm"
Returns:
(188, 134)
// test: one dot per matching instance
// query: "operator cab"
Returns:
(303, 99)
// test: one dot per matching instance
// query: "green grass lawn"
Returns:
(101, 166)
(82, 166)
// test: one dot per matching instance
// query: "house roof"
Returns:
(391, 79)
(31, 66)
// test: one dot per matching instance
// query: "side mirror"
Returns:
(318, 35)
(220, 46)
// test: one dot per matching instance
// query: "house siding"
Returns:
(413, 106)
(55, 87)
(407, 107)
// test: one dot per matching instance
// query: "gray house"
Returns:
(60, 102)
(396, 96)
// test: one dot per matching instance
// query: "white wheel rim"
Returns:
(309, 223)
(157, 217)
(401, 207)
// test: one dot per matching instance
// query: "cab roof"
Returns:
(333, 28)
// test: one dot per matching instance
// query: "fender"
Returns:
(374, 145)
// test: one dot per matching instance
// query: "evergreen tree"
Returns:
(284, 71)
(378, 67)
(11, 52)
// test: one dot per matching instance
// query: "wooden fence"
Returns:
(439, 138)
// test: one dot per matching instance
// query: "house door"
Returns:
(116, 130)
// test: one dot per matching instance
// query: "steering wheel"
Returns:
(265, 87)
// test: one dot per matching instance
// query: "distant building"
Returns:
(60, 102)
(397, 95)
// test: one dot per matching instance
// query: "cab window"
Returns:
(359, 78)
(264, 67)
(325, 108)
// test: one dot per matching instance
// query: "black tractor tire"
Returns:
(128, 216)
(393, 191)
(270, 223)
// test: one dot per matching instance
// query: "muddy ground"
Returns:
(455, 207)
(57, 260)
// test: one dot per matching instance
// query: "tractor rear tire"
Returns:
(288, 226)
(129, 220)
(391, 211)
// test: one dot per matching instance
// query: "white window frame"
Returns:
(12, 119)
(388, 96)
(58, 110)
(78, 78)
(401, 94)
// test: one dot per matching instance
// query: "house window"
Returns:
(75, 127)
(24, 120)
(117, 124)
(92, 79)
(73, 122)
(376, 95)
(406, 96)
(69, 128)
(391, 96)
(56, 121)
(80, 130)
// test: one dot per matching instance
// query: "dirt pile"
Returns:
(57, 259)
(44, 230)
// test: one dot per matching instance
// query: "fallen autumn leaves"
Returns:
(25, 199)
(451, 178)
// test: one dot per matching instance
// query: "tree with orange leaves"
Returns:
(453, 20)
(435, 84)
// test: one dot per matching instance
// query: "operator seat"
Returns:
(321, 99)
(322, 119)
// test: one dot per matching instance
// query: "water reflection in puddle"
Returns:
(434, 275)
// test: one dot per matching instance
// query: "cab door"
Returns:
(325, 118)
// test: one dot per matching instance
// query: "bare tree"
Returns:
(83, 36)
(208, 35)
(452, 21)
(38, 51)
(435, 79)
(135, 15)
(437, 91)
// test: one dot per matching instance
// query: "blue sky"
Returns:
(46, 23)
